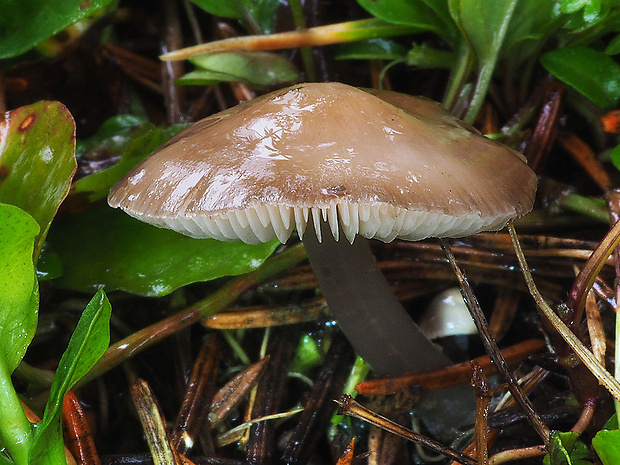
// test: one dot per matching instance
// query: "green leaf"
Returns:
(232, 9)
(25, 23)
(88, 343)
(484, 24)
(581, 15)
(307, 356)
(613, 48)
(423, 56)
(19, 292)
(19, 296)
(373, 49)
(607, 446)
(425, 15)
(532, 23)
(204, 77)
(131, 144)
(258, 69)
(16, 429)
(615, 156)
(262, 12)
(566, 449)
(571, 6)
(589, 72)
(124, 253)
(114, 134)
(49, 265)
(612, 423)
(37, 161)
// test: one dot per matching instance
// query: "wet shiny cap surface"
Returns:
(376, 163)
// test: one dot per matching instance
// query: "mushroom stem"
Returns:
(367, 311)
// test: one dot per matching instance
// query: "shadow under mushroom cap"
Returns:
(267, 166)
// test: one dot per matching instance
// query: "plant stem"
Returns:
(300, 25)
(38, 376)
(458, 75)
(321, 35)
(350, 407)
(617, 355)
(492, 350)
(594, 208)
(487, 67)
(126, 348)
(15, 428)
(235, 346)
(585, 279)
(587, 357)
(359, 371)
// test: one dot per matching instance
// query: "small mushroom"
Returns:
(447, 315)
(447, 321)
(353, 163)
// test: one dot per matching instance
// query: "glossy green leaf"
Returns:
(483, 24)
(614, 155)
(88, 343)
(566, 449)
(589, 72)
(25, 23)
(532, 23)
(49, 265)
(607, 446)
(119, 252)
(19, 299)
(427, 15)
(581, 15)
(37, 161)
(570, 6)
(114, 134)
(233, 10)
(423, 56)
(19, 292)
(204, 77)
(612, 423)
(16, 431)
(131, 144)
(613, 48)
(258, 69)
(307, 356)
(261, 12)
(373, 49)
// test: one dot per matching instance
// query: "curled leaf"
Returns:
(37, 160)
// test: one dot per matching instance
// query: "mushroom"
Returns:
(353, 163)
(447, 315)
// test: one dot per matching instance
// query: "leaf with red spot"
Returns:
(37, 160)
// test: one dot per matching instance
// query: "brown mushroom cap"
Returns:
(378, 164)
